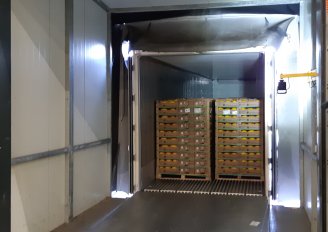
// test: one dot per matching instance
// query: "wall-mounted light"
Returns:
(126, 52)
(282, 86)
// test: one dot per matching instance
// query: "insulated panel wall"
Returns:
(288, 107)
(38, 113)
(238, 89)
(90, 88)
(38, 76)
(90, 178)
(38, 195)
(287, 122)
(90, 80)
(307, 61)
(161, 81)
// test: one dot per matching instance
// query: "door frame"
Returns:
(5, 114)
(136, 55)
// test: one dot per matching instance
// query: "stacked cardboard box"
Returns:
(239, 139)
(184, 139)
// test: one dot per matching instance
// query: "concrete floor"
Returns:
(89, 219)
(288, 219)
(163, 212)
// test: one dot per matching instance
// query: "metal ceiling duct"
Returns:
(208, 33)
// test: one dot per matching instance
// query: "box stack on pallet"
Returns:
(183, 128)
(239, 139)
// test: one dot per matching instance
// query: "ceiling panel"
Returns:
(187, 4)
(224, 66)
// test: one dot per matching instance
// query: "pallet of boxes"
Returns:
(183, 131)
(239, 148)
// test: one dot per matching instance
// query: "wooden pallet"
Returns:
(162, 176)
(239, 177)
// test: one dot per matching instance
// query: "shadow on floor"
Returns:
(165, 212)
(284, 219)
(92, 216)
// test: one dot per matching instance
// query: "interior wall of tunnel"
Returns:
(41, 88)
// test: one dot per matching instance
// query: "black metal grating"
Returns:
(217, 187)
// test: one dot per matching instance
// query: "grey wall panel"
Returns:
(90, 72)
(78, 71)
(159, 81)
(91, 175)
(287, 106)
(30, 75)
(57, 80)
(38, 195)
(288, 153)
(238, 88)
(95, 72)
(38, 113)
(91, 181)
(148, 96)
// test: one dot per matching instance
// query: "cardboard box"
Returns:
(169, 162)
(187, 170)
(202, 155)
(228, 155)
(202, 163)
(226, 102)
(167, 103)
(255, 155)
(168, 155)
(201, 171)
(227, 118)
(186, 155)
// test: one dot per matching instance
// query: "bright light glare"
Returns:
(121, 195)
(97, 52)
(287, 204)
(309, 205)
(203, 82)
(126, 50)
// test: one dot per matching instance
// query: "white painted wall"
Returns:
(38, 113)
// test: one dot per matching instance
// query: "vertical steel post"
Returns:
(70, 53)
(5, 114)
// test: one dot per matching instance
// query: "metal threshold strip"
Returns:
(216, 187)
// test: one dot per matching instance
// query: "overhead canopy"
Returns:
(208, 33)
